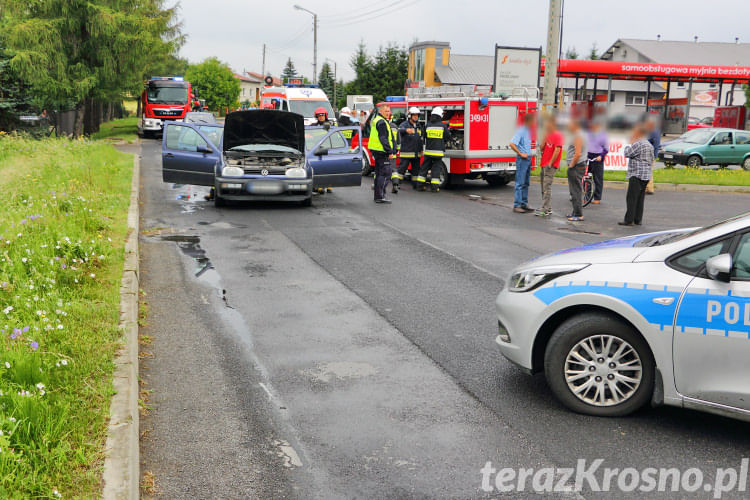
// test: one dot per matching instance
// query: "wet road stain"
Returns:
(190, 246)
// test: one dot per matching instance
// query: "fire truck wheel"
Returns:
(497, 180)
(445, 180)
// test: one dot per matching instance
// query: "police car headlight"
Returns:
(296, 173)
(528, 279)
(232, 172)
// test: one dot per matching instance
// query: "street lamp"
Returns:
(315, 41)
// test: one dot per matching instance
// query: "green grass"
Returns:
(62, 228)
(124, 129)
(719, 177)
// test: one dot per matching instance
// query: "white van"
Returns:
(300, 99)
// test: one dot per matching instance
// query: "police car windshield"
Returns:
(673, 236)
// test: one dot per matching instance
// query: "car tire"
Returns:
(219, 201)
(569, 344)
(497, 180)
(366, 167)
(694, 161)
(746, 163)
(307, 202)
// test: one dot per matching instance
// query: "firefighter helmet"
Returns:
(414, 110)
(346, 111)
(438, 111)
(321, 111)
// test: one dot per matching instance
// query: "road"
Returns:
(347, 350)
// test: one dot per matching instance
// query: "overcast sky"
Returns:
(235, 30)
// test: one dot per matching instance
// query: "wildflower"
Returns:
(25, 329)
(92, 275)
(16, 333)
(59, 327)
(8, 309)
(56, 494)
(24, 259)
(34, 345)
(7, 365)
(40, 386)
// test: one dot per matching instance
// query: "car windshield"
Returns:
(307, 108)
(200, 118)
(167, 95)
(699, 137)
(265, 148)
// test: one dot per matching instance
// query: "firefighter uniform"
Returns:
(382, 144)
(345, 121)
(411, 152)
(437, 134)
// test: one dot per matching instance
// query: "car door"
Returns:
(711, 335)
(187, 155)
(335, 163)
(721, 148)
(742, 146)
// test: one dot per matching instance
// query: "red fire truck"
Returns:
(164, 98)
(481, 128)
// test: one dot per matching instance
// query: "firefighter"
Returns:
(437, 134)
(382, 145)
(345, 120)
(411, 135)
(321, 117)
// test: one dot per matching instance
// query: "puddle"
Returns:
(190, 246)
(189, 197)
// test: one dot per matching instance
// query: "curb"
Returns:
(121, 476)
(665, 186)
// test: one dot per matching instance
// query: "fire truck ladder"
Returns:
(445, 91)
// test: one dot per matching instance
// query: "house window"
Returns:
(712, 85)
(633, 99)
(612, 97)
(419, 65)
(681, 85)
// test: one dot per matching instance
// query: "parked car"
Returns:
(695, 123)
(259, 155)
(710, 146)
(681, 138)
(661, 318)
(199, 117)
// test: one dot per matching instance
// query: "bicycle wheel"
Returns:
(588, 190)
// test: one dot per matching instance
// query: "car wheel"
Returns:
(497, 180)
(668, 164)
(694, 161)
(307, 202)
(746, 163)
(366, 167)
(219, 201)
(599, 366)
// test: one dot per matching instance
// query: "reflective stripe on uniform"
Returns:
(435, 132)
(432, 152)
(396, 175)
(406, 154)
(348, 133)
(374, 144)
(434, 181)
(421, 179)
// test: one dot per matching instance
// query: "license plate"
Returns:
(265, 187)
(668, 156)
(504, 166)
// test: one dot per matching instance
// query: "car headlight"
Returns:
(680, 151)
(296, 172)
(232, 172)
(528, 279)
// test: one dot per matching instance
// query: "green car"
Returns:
(710, 146)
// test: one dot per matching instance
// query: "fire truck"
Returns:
(481, 126)
(164, 98)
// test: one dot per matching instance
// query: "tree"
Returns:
(326, 81)
(594, 52)
(571, 53)
(215, 82)
(14, 97)
(388, 74)
(289, 71)
(81, 53)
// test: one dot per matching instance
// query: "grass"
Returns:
(718, 177)
(124, 129)
(62, 228)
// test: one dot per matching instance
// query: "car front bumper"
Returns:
(677, 158)
(152, 124)
(263, 188)
(517, 315)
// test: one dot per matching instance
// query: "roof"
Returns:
(687, 52)
(243, 78)
(467, 70)
(617, 85)
(259, 78)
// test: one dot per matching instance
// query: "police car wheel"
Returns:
(599, 366)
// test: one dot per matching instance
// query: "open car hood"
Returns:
(264, 126)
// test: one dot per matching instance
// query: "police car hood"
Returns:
(264, 127)
(626, 249)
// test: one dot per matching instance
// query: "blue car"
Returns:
(260, 155)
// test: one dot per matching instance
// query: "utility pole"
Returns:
(263, 71)
(552, 54)
(335, 97)
(315, 41)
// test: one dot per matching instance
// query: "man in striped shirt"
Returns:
(640, 155)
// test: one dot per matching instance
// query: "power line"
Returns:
(348, 17)
(370, 18)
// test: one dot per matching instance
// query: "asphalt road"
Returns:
(347, 350)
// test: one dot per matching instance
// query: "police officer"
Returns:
(411, 135)
(382, 145)
(437, 134)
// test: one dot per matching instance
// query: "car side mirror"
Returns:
(719, 267)
(320, 151)
(203, 149)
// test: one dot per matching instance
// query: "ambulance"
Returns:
(302, 99)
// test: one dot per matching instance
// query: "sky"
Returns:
(235, 30)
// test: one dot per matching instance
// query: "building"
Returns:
(251, 86)
(432, 64)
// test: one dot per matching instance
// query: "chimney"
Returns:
(658, 38)
(695, 38)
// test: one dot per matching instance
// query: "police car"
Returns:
(660, 317)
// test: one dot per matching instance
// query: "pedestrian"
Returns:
(577, 158)
(411, 135)
(654, 138)
(598, 149)
(382, 145)
(552, 144)
(437, 135)
(521, 145)
(640, 155)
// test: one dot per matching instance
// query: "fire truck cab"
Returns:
(297, 98)
(481, 128)
(164, 98)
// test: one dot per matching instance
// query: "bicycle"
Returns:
(587, 186)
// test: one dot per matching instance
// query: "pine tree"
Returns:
(289, 71)
(325, 80)
(14, 97)
(571, 53)
(594, 52)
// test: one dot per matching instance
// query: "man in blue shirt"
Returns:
(521, 144)
(654, 138)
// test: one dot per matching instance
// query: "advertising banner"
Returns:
(704, 98)
(615, 159)
(516, 67)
